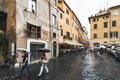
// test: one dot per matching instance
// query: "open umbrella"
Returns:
(43, 50)
(102, 47)
(94, 47)
(23, 49)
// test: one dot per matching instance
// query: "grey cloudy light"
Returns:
(85, 8)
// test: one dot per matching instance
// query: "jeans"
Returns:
(44, 65)
(22, 68)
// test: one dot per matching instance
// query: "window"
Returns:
(68, 34)
(61, 32)
(95, 26)
(54, 2)
(3, 21)
(73, 36)
(113, 23)
(115, 12)
(105, 17)
(105, 24)
(67, 21)
(32, 6)
(33, 31)
(67, 11)
(54, 35)
(35, 55)
(72, 24)
(105, 35)
(95, 35)
(38, 32)
(61, 16)
(114, 34)
(95, 19)
(54, 19)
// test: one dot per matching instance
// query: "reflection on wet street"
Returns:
(77, 66)
(86, 67)
(89, 72)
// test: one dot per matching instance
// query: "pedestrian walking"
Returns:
(44, 64)
(24, 64)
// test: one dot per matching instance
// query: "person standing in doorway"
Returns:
(44, 64)
(24, 64)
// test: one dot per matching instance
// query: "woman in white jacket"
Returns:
(44, 64)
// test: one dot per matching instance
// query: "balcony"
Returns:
(67, 37)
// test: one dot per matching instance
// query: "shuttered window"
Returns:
(33, 31)
(38, 32)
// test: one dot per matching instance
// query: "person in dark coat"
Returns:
(24, 64)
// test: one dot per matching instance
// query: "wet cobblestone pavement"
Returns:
(72, 67)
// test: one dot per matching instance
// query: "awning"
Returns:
(77, 44)
(73, 43)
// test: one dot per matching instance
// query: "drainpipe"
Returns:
(110, 27)
(50, 27)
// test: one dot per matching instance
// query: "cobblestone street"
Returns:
(73, 67)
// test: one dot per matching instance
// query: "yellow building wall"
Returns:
(100, 28)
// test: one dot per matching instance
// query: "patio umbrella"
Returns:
(23, 49)
(102, 47)
(95, 47)
(43, 50)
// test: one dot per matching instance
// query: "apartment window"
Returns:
(38, 32)
(105, 17)
(67, 21)
(61, 16)
(114, 34)
(115, 12)
(73, 36)
(68, 34)
(105, 35)
(72, 24)
(95, 19)
(33, 31)
(32, 6)
(105, 24)
(67, 11)
(61, 32)
(54, 35)
(54, 19)
(113, 23)
(54, 2)
(95, 35)
(95, 26)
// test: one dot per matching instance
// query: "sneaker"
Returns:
(47, 77)
(38, 75)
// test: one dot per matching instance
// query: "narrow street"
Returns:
(73, 67)
(86, 67)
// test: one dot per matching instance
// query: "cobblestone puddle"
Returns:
(89, 73)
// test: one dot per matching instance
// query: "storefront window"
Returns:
(35, 55)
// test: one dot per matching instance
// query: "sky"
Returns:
(85, 8)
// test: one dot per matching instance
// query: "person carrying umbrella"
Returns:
(24, 64)
(44, 63)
